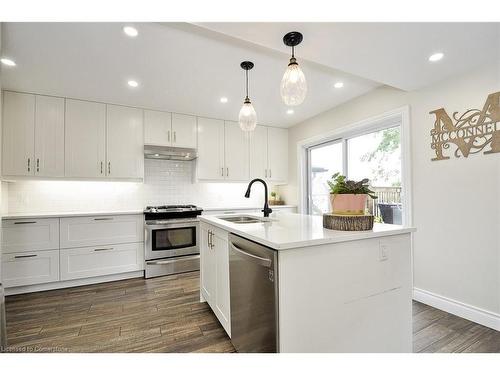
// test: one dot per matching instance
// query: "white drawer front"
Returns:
(101, 230)
(101, 260)
(30, 235)
(28, 268)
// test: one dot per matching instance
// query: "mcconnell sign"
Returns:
(472, 132)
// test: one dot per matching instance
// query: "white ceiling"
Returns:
(180, 68)
(186, 68)
(394, 54)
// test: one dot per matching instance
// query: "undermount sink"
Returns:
(242, 219)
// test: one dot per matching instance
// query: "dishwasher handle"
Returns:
(253, 258)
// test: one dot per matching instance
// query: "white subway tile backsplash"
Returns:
(165, 182)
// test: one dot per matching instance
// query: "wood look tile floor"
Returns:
(164, 315)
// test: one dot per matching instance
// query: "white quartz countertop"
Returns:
(42, 215)
(288, 231)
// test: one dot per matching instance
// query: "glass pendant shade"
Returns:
(293, 85)
(247, 117)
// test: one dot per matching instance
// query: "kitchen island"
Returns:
(333, 291)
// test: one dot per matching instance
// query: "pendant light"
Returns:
(247, 117)
(293, 85)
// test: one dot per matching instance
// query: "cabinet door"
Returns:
(277, 145)
(207, 266)
(20, 235)
(125, 142)
(184, 131)
(210, 149)
(258, 153)
(100, 230)
(18, 134)
(49, 136)
(222, 301)
(157, 128)
(30, 268)
(236, 152)
(101, 260)
(85, 135)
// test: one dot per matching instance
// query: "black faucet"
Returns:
(266, 209)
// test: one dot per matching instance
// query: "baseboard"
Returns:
(463, 310)
(72, 283)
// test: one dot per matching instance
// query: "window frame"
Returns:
(397, 117)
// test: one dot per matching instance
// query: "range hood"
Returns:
(169, 153)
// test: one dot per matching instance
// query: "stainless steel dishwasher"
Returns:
(253, 275)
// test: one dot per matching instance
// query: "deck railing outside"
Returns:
(386, 194)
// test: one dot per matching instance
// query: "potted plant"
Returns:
(349, 197)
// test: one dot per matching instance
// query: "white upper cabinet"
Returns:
(157, 128)
(210, 162)
(85, 146)
(18, 134)
(33, 135)
(49, 136)
(184, 132)
(258, 153)
(125, 141)
(236, 162)
(277, 146)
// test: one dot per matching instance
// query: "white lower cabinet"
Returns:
(100, 230)
(101, 260)
(29, 268)
(214, 275)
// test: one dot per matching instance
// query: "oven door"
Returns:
(173, 239)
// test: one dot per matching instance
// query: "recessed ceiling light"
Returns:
(7, 61)
(132, 83)
(223, 99)
(436, 57)
(338, 85)
(130, 31)
(290, 112)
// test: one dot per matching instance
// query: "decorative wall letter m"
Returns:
(471, 132)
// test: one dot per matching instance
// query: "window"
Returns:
(324, 161)
(374, 154)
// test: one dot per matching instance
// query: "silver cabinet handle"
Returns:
(25, 222)
(175, 137)
(222, 171)
(24, 256)
(210, 239)
(103, 249)
(265, 172)
(270, 173)
(102, 218)
(29, 169)
(227, 171)
(109, 167)
(168, 135)
(101, 166)
(256, 259)
(37, 165)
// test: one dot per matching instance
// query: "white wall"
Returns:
(165, 182)
(456, 202)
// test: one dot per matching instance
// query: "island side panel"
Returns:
(346, 297)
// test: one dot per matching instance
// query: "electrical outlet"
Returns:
(383, 251)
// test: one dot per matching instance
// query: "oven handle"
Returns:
(170, 261)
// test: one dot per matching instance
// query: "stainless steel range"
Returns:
(171, 241)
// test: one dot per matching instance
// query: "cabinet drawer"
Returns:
(28, 268)
(101, 260)
(29, 235)
(101, 230)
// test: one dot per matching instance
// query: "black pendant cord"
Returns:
(293, 52)
(246, 80)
